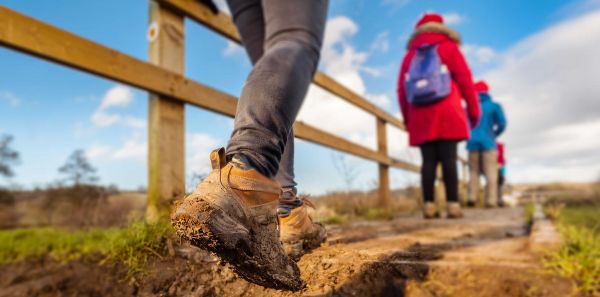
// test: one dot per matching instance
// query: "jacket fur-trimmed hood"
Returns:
(434, 27)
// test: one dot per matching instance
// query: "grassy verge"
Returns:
(132, 245)
(579, 257)
(341, 207)
(529, 210)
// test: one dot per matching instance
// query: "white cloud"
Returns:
(10, 98)
(381, 100)
(372, 71)
(479, 54)
(453, 18)
(232, 49)
(134, 122)
(118, 96)
(198, 147)
(131, 149)
(103, 119)
(548, 86)
(381, 42)
(343, 62)
(97, 151)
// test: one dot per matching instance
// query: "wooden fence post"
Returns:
(385, 197)
(166, 171)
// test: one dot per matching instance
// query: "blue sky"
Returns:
(52, 110)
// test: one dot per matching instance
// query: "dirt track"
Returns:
(484, 254)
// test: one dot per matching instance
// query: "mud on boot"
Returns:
(299, 234)
(232, 213)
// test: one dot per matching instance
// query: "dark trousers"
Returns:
(433, 153)
(283, 40)
(500, 186)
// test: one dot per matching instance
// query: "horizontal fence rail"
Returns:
(223, 25)
(39, 39)
(163, 77)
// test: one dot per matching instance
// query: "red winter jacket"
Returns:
(445, 119)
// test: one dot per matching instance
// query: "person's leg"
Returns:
(275, 89)
(249, 20)
(447, 152)
(428, 170)
(490, 170)
(285, 177)
(253, 38)
(474, 173)
(233, 211)
(294, 33)
(500, 187)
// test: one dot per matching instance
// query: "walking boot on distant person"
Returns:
(434, 78)
(233, 212)
(482, 148)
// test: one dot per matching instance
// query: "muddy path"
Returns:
(484, 254)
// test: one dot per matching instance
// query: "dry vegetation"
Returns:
(339, 207)
(79, 206)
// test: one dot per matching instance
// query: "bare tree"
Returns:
(78, 169)
(346, 171)
(8, 156)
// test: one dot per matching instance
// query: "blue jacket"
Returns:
(491, 125)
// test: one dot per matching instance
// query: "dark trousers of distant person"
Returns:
(501, 181)
(439, 152)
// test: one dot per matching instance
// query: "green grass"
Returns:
(333, 219)
(387, 214)
(529, 210)
(582, 216)
(579, 257)
(132, 245)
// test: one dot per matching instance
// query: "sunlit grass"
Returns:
(579, 257)
(529, 211)
(132, 245)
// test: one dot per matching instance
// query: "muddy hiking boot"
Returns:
(430, 211)
(454, 210)
(298, 233)
(232, 213)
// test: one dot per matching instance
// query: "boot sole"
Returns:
(213, 230)
(296, 249)
(432, 217)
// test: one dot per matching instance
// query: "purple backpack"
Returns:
(428, 79)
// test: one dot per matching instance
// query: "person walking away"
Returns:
(434, 78)
(501, 172)
(233, 212)
(482, 148)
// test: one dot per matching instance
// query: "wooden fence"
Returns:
(163, 77)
